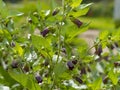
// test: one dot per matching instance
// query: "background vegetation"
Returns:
(40, 48)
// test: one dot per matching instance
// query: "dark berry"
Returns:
(45, 32)
(76, 22)
(14, 64)
(106, 58)
(116, 44)
(88, 69)
(38, 78)
(116, 64)
(98, 50)
(74, 62)
(105, 80)
(12, 44)
(110, 46)
(79, 80)
(55, 12)
(30, 20)
(70, 65)
(26, 68)
(63, 50)
(83, 71)
(46, 63)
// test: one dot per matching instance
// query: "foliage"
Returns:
(45, 52)
(100, 23)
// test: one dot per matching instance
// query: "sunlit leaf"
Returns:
(75, 3)
(39, 42)
(82, 10)
(59, 69)
(3, 10)
(113, 77)
(96, 85)
(25, 80)
(19, 49)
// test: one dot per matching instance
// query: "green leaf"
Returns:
(7, 35)
(103, 35)
(79, 12)
(75, 33)
(7, 81)
(75, 3)
(53, 4)
(39, 42)
(19, 49)
(96, 85)
(59, 69)
(3, 10)
(1, 32)
(25, 80)
(113, 77)
(82, 10)
(14, 13)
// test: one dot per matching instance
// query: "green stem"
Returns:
(59, 43)
(59, 33)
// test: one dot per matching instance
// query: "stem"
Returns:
(59, 42)
(59, 33)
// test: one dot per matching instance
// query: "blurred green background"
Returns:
(100, 14)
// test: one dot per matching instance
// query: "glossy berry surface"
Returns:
(12, 44)
(78, 80)
(55, 12)
(74, 62)
(45, 32)
(14, 64)
(38, 78)
(70, 65)
(77, 22)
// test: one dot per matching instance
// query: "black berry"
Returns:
(110, 46)
(74, 62)
(38, 78)
(55, 12)
(26, 68)
(63, 50)
(45, 32)
(98, 50)
(12, 44)
(83, 71)
(116, 64)
(30, 20)
(70, 65)
(105, 80)
(79, 80)
(76, 22)
(46, 63)
(116, 44)
(14, 64)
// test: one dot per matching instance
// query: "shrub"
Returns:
(54, 57)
